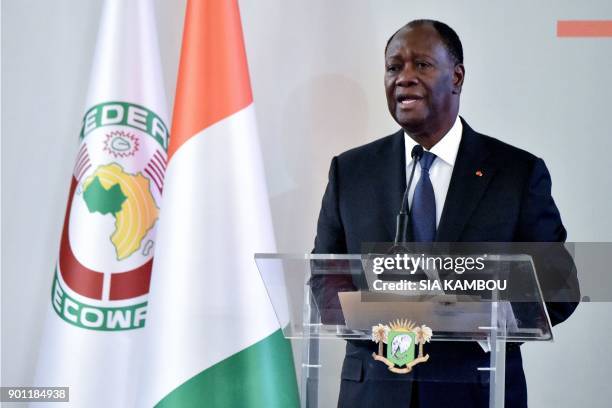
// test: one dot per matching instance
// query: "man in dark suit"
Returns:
(471, 188)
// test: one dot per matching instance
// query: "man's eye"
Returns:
(393, 68)
(422, 65)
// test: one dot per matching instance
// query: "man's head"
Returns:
(423, 77)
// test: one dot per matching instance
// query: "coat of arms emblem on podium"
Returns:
(401, 338)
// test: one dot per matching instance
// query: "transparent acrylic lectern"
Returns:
(335, 297)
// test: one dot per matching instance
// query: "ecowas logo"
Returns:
(102, 277)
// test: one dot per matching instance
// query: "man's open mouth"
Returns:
(408, 100)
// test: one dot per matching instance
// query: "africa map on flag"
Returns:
(127, 197)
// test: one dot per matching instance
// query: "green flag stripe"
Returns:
(261, 375)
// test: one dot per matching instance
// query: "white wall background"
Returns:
(316, 68)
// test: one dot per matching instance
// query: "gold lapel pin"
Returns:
(479, 173)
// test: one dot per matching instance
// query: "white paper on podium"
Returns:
(444, 313)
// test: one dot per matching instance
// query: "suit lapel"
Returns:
(391, 181)
(471, 175)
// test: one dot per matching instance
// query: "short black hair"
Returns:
(449, 37)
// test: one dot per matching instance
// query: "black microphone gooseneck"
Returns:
(401, 227)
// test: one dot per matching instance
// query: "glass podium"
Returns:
(319, 297)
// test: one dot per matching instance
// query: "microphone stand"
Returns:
(403, 218)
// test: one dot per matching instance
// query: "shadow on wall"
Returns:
(321, 118)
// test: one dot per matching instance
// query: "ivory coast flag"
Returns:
(98, 300)
(214, 340)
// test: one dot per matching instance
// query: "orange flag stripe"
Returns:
(584, 28)
(213, 79)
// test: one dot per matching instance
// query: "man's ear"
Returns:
(458, 77)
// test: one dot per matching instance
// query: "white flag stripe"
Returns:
(127, 60)
(206, 269)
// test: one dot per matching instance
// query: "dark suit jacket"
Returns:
(510, 202)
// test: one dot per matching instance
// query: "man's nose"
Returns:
(407, 76)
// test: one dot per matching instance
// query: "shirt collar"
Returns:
(446, 149)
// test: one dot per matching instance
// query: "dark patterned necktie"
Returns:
(423, 209)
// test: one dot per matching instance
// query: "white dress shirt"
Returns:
(440, 173)
(441, 169)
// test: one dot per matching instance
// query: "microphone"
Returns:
(401, 227)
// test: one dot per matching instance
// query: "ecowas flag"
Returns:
(98, 302)
(214, 340)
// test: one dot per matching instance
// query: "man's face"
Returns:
(422, 81)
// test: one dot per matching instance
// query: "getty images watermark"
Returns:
(430, 267)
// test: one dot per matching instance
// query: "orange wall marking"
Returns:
(584, 28)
